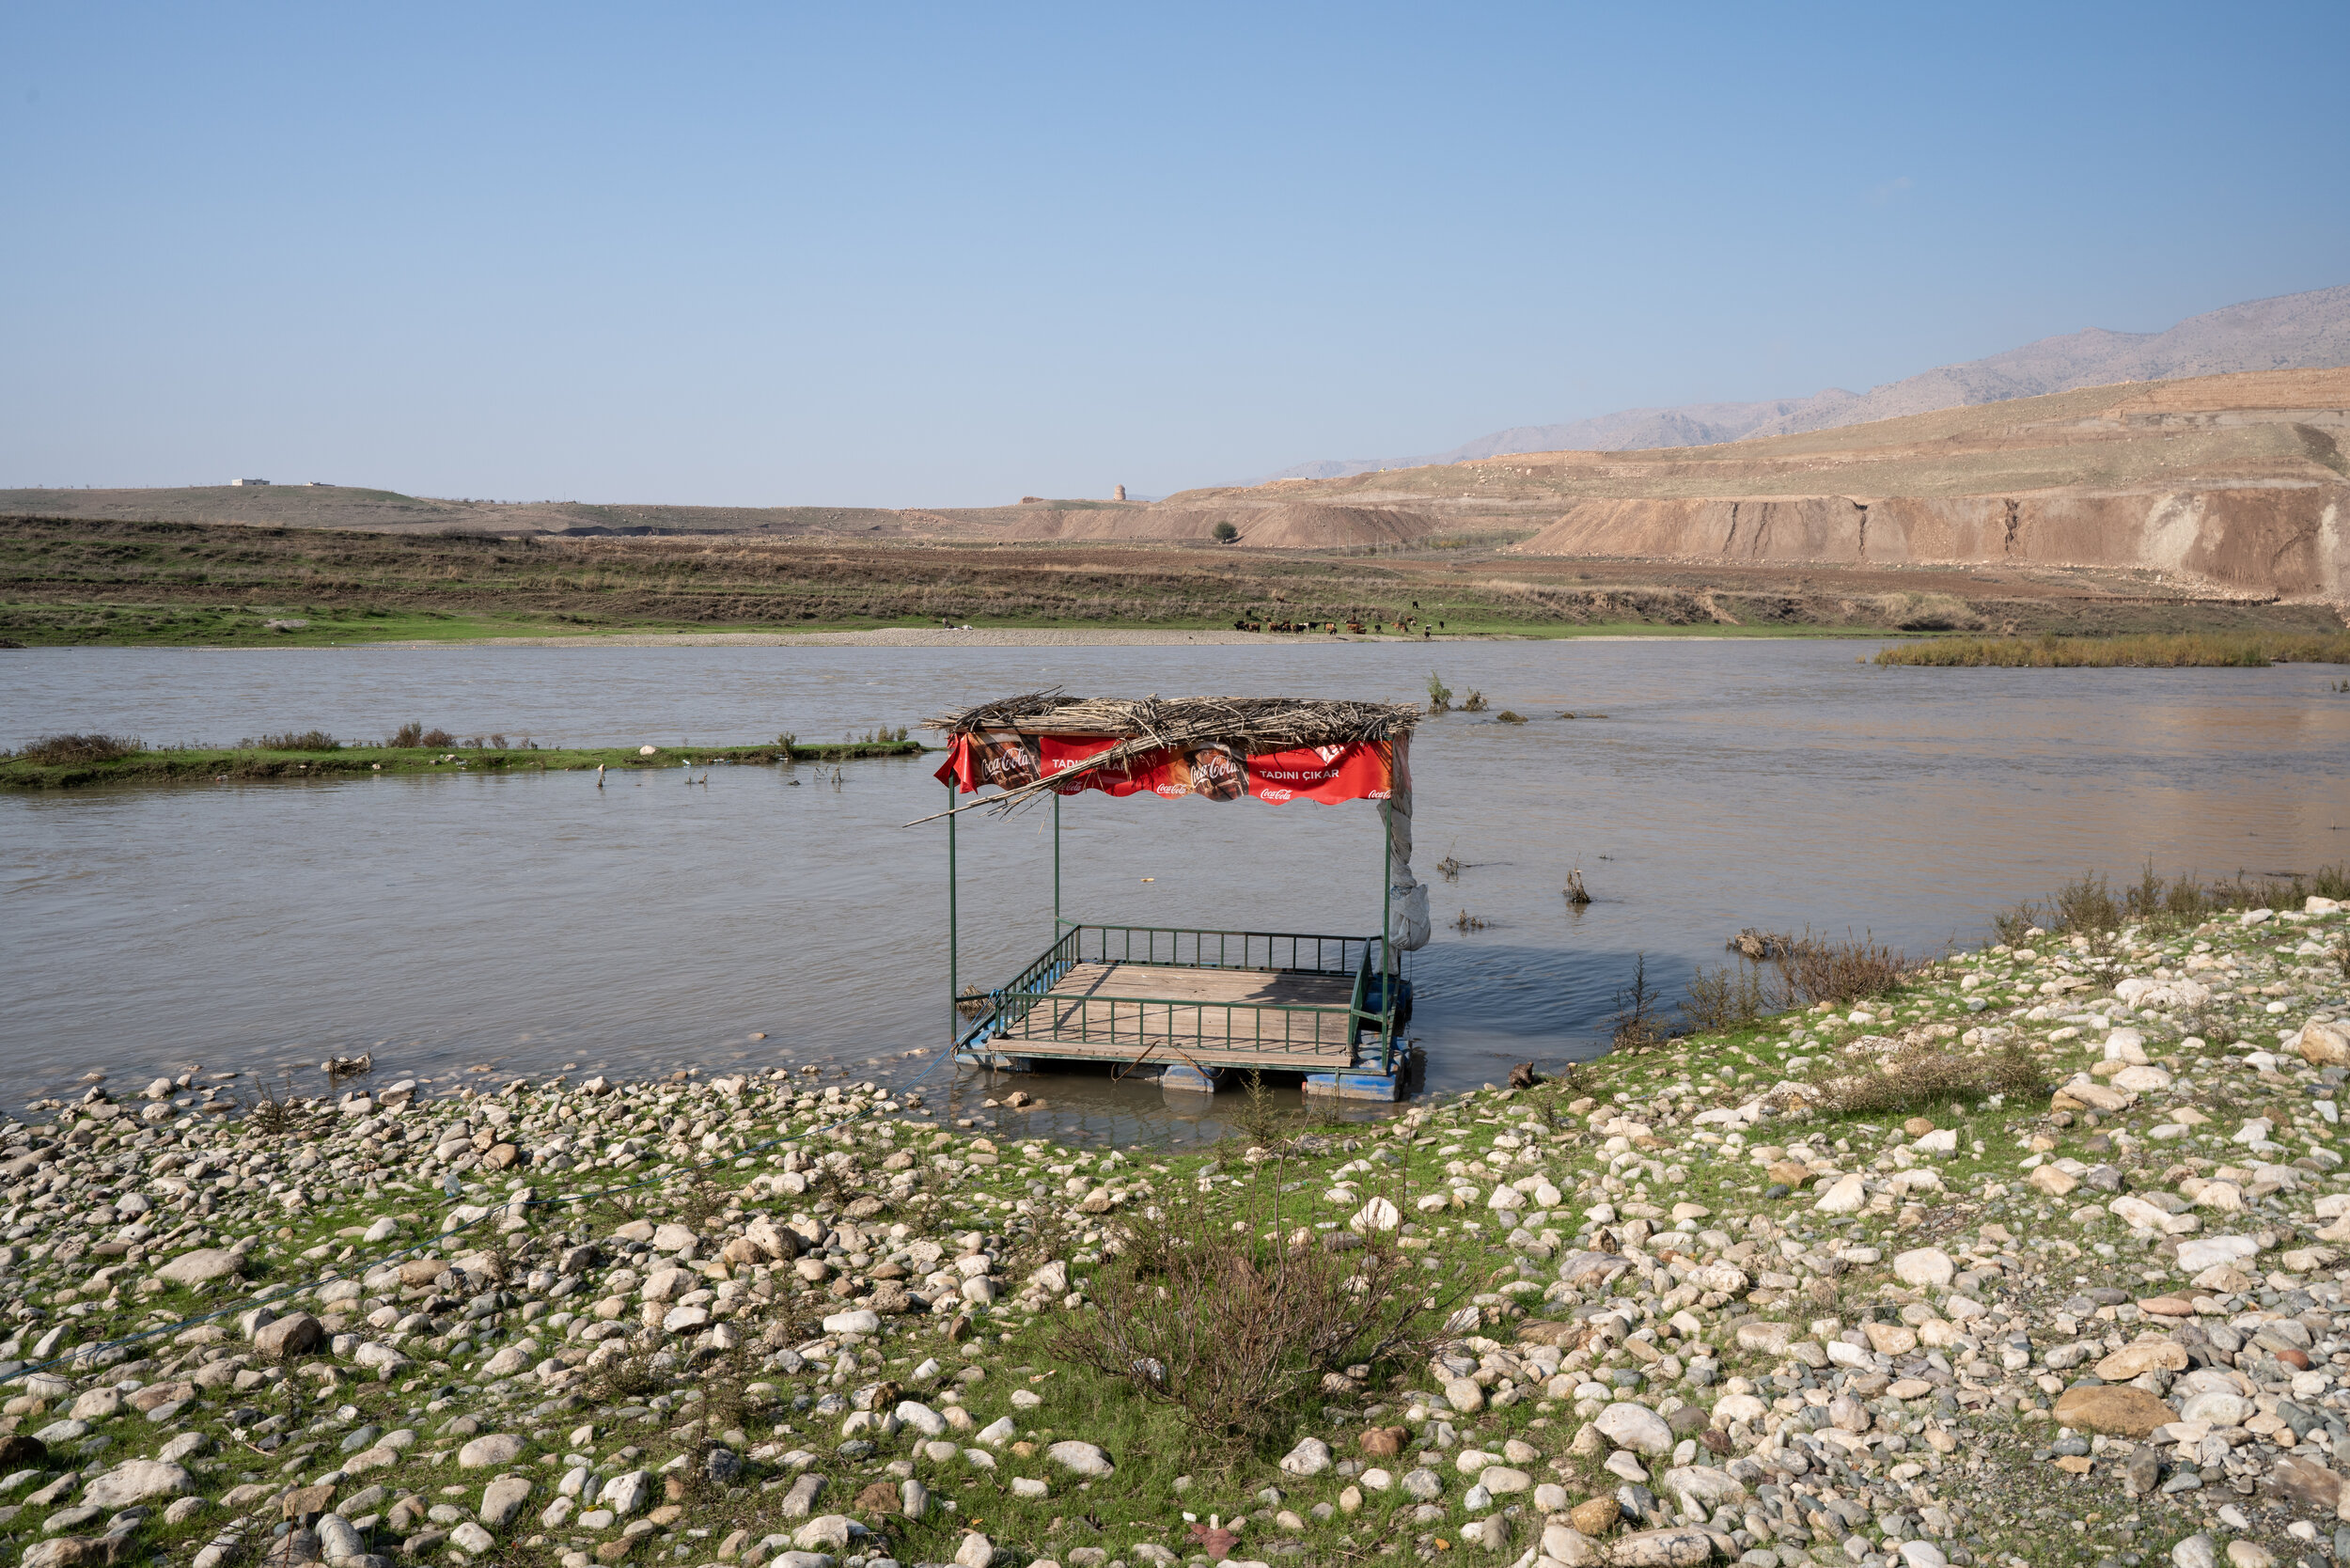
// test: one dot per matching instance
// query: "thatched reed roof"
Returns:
(1252, 724)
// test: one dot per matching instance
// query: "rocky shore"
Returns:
(1704, 1314)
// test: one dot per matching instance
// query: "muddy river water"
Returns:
(532, 923)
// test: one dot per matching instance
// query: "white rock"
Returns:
(1635, 1426)
(833, 1530)
(135, 1481)
(1847, 1195)
(1310, 1457)
(1086, 1459)
(920, 1417)
(2205, 1251)
(1925, 1267)
(626, 1494)
(860, 1322)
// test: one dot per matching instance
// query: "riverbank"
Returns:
(1810, 1291)
(217, 763)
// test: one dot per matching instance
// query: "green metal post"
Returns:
(1386, 949)
(954, 982)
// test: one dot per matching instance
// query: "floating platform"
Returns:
(1217, 1017)
(1196, 1002)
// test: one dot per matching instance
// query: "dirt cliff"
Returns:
(2235, 481)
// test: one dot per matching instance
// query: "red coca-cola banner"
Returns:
(1358, 771)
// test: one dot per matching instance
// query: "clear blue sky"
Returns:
(900, 256)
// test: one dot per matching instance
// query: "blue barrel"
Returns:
(1374, 998)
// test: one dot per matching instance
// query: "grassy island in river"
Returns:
(64, 762)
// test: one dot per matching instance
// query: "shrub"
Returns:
(2087, 905)
(1474, 702)
(2015, 926)
(67, 750)
(1848, 971)
(409, 734)
(1635, 1025)
(1225, 533)
(1439, 695)
(1725, 998)
(304, 739)
(438, 739)
(1236, 1331)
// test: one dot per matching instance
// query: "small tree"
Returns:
(1439, 695)
(1225, 533)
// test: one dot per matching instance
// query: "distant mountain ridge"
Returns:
(2292, 332)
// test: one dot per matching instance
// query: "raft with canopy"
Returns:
(1194, 1003)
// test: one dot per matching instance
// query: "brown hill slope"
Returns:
(2238, 480)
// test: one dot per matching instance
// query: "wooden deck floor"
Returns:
(1210, 1016)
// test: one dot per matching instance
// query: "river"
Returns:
(469, 927)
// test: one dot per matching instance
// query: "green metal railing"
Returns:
(1185, 947)
(1307, 1031)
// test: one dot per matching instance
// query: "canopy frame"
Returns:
(1315, 1031)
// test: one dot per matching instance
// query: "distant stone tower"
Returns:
(1117, 493)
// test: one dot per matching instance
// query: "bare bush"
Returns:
(1635, 1025)
(69, 750)
(1727, 998)
(292, 740)
(1853, 970)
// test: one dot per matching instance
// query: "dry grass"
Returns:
(290, 740)
(71, 750)
(2088, 906)
(1923, 1076)
(2144, 650)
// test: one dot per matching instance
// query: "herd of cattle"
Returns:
(1403, 626)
